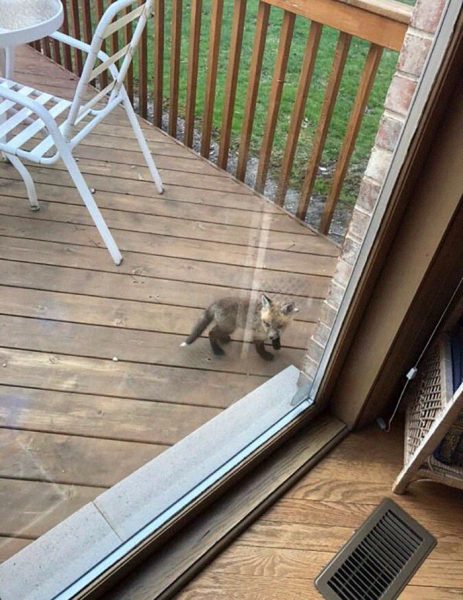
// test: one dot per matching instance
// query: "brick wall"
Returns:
(417, 43)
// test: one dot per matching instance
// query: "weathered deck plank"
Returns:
(72, 420)
(163, 206)
(82, 375)
(159, 294)
(222, 240)
(91, 310)
(34, 245)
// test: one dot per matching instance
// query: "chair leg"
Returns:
(91, 205)
(28, 181)
(143, 145)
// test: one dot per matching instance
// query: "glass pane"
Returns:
(104, 367)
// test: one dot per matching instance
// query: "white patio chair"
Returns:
(26, 113)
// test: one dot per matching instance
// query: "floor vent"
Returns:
(379, 559)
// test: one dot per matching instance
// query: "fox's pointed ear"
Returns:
(266, 302)
(289, 308)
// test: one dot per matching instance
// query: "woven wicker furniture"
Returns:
(433, 408)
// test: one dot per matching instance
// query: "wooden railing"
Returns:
(167, 92)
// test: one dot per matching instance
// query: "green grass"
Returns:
(355, 62)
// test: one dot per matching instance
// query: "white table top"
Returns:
(23, 21)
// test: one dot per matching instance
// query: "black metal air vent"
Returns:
(379, 559)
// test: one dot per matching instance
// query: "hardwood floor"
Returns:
(282, 553)
(73, 421)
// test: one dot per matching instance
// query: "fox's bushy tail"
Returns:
(200, 326)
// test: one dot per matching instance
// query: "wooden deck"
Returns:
(73, 420)
(283, 552)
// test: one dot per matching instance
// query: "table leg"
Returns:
(9, 62)
(3, 62)
(6, 70)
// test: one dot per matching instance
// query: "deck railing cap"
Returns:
(393, 9)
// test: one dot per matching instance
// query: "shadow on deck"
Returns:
(73, 420)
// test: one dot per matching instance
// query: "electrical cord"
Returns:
(386, 425)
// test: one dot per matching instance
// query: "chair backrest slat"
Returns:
(85, 108)
(110, 23)
(119, 24)
(107, 63)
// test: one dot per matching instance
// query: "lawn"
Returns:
(357, 55)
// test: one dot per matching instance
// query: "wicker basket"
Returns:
(429, 396)
(432, 409)
(453, 472)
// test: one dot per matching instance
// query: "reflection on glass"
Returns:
(95, 378)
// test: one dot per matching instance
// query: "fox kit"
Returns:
(267, 320)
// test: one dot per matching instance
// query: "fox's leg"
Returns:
(216, 335)
(261, 351)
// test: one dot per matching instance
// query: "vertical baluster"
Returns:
(212, 63)
(192, 78)
(158, 62)
(128, 30)
(305, 79)
(99, 12)
(342, 49)
(76, 34)
(56, 51)
(66, 49)
(253, 87)
(114, 37)
(176, 38)
(143, 74)
(87, 21)
(366, 83)
(232, 80)
(87, 24)
(286, 36)
(46, 46)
